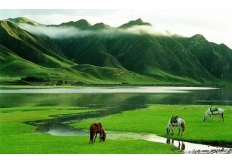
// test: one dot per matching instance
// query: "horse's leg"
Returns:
(100, 134)
(222, 116)
(172, 130)
(179, 130)
(167, 130)
(91, 138)
(95, 136)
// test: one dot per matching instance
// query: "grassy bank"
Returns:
(155, 118)
(18, 138)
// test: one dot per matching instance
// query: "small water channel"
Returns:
(184, 147)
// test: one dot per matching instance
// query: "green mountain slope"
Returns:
(216, 59)
(29, 46)
(100, 54)
(23, 20)
(158, 56)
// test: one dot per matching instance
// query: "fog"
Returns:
(68, 32)
(56, 32)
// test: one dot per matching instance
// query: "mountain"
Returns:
(100, 26)
(23, 20)
(132, 23)
(81, 53)
(80, 24)
(39, 50)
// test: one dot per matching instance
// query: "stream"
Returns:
(184, 147)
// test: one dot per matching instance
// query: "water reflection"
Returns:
(181, 144)
(115, 98)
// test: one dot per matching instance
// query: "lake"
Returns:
(119, 98)
(113, 99)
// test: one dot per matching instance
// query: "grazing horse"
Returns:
(214, 111)
(96, 128)
(176, 121)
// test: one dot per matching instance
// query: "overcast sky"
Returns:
(213, 19)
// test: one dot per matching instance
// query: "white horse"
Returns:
(176, 121)
(214, 111)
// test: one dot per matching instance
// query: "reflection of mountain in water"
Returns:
(117, 100)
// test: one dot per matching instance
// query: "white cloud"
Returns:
(212, 22)
(66, 32)
(56, 32)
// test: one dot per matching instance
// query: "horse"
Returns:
(214, 111)
(176, 121)
(96, 128)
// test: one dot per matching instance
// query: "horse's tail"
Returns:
(183, 126)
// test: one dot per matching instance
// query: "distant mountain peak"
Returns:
(81, 24)
(134, 23)
(139, 20)
(83, 21)
(99, 26)
(199, 37)
(24, 20)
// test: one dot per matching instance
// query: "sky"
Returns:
(212, 18)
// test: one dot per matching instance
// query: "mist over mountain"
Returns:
(133, 53)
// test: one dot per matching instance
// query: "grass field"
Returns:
(17, 137)
(154, 120)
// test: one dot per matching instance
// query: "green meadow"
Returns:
(16, 137)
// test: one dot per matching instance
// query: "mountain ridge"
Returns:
(153, 59)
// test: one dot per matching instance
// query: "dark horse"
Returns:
(96, 128)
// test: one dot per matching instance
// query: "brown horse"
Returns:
(96, 128)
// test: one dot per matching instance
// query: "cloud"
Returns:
(56, 32)
(68, 32)
(141, 29)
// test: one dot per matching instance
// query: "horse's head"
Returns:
(103, 135)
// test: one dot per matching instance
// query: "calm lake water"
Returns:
(113, 100)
